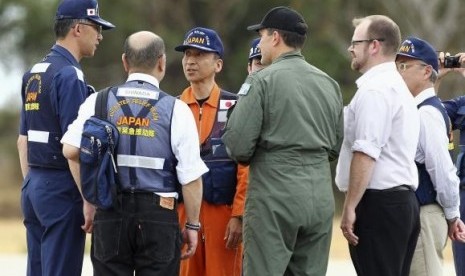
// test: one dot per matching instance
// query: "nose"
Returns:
(100, 37)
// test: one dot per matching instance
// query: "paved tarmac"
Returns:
(15, 265)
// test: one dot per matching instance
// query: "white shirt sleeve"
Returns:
(74, 132)
(373, 123)
(185, 144)
(433, 152)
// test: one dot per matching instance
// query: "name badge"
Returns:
(244, 89)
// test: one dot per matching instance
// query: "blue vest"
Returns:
(142, 113)
(43, 94)
(456, 110)
(426, 193)
(219, 183)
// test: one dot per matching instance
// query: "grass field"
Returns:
(13, 240)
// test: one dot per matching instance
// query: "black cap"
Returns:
(282, 18)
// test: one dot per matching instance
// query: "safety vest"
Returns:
(219, 183)
(40, 97)
(459, 123)
(426, 193)
(142, 113)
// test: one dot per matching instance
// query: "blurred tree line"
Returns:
(26, 33)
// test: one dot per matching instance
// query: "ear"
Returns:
(76, 30)
(125, 63)
(276, 38)
(428, 72)
(218, 65)
(161, 63)
(375, 47)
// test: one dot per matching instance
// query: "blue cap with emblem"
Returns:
(202, 39)
(416, 48)
(82, 9)
(254, 50)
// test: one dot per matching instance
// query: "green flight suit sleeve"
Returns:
(245, 123)
(334, 152)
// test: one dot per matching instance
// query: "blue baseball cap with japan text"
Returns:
(416, 48)
(255, 52)
(203, 39)
(82, 9)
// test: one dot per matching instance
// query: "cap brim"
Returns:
(406, 55)
(255, 56)
(255, 27)
(105, 24)
(182, 48)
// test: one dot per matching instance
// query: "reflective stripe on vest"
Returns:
(134, 161)
(38, 136)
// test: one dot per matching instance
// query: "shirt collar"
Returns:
(65, 53)
(425, 94)
(375, 70)
(143, 77)
(188, 96)
(291, 54)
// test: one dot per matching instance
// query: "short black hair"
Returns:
(62, 27)
(291, 39)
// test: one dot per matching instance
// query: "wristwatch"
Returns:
(191, 226)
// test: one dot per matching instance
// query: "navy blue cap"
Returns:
(255, 52)
(82, 9)
(202, 39)
(416, 48)
(282, 18)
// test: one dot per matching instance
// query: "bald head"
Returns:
(142, 51)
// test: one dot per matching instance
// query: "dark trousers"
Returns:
(457, 247)
(388, 226)
(139, 236)
(52, 209)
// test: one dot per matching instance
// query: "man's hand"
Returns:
(189, 237)
(456, 230)
(233, 235)
(89, 213)
(347, 226)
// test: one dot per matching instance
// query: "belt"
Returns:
(139, 193)
(393, 189)
(165, 202)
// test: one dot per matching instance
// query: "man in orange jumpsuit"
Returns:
(219, 252)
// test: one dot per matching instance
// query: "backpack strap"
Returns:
(101, 103)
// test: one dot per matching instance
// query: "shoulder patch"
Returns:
(244, 89)
(40, 68)
(79, 73)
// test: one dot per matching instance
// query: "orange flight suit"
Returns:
(212, 258)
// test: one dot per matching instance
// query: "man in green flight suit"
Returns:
(287, 125)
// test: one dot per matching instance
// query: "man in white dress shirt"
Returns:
(142, 232)
(376, 167)
(438, 188)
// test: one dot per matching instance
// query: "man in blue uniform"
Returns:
(456, 111)
(52, 91)
(158, 146)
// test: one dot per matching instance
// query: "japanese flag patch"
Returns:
(226, 104)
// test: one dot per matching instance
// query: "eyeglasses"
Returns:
(355, 42)
(402, 66)
(97, 28)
